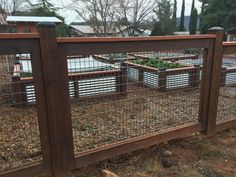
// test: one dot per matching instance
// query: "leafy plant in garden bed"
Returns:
(158, 63)
(26, 74)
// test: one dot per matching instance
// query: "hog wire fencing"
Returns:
(82, 100)
(227, 102)
(19, 133)
(149, 93)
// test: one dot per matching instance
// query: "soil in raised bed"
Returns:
(158, 63)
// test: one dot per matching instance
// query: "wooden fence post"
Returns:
(197, 76)
(140, 76)
(223, 76)
(124, 78)
(76, 88)
(19, 91)
(162, 80)
(57, 100)
(215, 80)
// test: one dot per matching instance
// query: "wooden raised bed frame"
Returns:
(19, 83)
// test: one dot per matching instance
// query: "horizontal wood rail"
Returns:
(29, 171)
(19, 36)
(79, 76)
(185, 69)
(225, 125)
(116, 149)
(115, 45)
(133, 39)
(229, 47)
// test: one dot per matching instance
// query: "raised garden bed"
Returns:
(228, 76)
(85, 84)
(163, 75)
(114, 58)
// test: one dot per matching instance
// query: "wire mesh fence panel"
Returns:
(227, 97)
(19, 134)
(117, 97)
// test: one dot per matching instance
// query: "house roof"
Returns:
(86, 29)
(33, 19)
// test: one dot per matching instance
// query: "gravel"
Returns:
(102, 121)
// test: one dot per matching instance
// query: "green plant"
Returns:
(158, 63)
(90, 129)
(26, 74)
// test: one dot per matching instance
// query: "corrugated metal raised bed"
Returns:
(164, 79)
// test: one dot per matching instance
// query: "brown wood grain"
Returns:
(126, 146)
(57, 100)
(215, 83)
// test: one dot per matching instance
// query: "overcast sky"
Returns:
(71, 16)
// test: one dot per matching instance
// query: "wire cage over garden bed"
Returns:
(85, 79)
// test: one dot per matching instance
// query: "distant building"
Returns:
(180, 33)
(231, 34)
(88, 31)
(28, 24)
(183, 33)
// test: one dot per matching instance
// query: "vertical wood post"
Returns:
(223, 76)
(76, 88)
(194, 76)
(57, 101)
(162, 80)
(215, 80)
(197, 76)
(140, 76)
(124, 77)
(19, 91)
(119, 82)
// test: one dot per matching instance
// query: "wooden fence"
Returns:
(50, 75)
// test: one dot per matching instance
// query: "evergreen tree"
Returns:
(165, 23)
(218, 13)
(175, 14)
(204, 2)
(194, 21)
(181, 24)
(191, 25)
(193, 6)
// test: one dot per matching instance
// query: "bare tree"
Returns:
(10, 7)
(134, 14)
(99, 14)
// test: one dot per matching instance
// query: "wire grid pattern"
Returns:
(227, 97)
(19, 134)
(140, 106)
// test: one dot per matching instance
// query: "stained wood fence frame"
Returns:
(49, 55)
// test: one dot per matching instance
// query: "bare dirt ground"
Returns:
(196, 156)
(97, 123)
